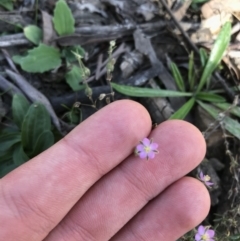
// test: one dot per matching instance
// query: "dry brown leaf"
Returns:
(202, 36)
(180, 13)
(232, 65)
(214, 7)
(48, 31)
(215, 22)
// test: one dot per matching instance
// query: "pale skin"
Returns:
(90, 186)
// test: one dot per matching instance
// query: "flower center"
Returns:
(205, 237)
(206, 178)
(147, 149)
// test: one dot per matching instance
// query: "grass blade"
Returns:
(231, 125)
(177, 77)
(191, 73)
(233, 110)
(147, 92)
(216, 55)
(203, 56)
(184, 110)
(207, 96)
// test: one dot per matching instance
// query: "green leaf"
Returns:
(6, 155)
(74, 116)
(207, 96)
(8, 140)
(233, 110)
(36, 121)
(177, 77)
(7, 168)
(20, 107)
(41, 59)
(74, 77)
(33, 34)
(184, 110)
(44, 141)
(19, 156)
(8, 4)
(230, 124)
(147, 92)
(68, 53)
(63, 19)
(216, 55)
(191, 73)
(235, 237)
(17, 59)
(203, 56)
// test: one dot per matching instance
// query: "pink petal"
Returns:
(146, 142)
(209, 183)
(142, 155)
(151, 155)
(154, 146)
(140, 147)
(201, 230)
(210, 233)
(198, 237)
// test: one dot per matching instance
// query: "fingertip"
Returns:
(196, 199)
(133, 109)
(183, 141)
(124, 121)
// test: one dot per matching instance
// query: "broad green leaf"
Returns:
(41, 59)
(226, 106)
(20, 107)
(191, 72)
(19, 156)
(17, 59)
(63, 19)
(8, 4)
(6, 155)
(36, 121)
(8, 140)
(33, 34)
(8, 130)
(8, 167)
(44, 141)
(177, 77)
(207, 96)
(147, 92)
(184, 110)
(216, 55)
(231, 125)
(74, 77)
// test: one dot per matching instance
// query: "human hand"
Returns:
(89, 186)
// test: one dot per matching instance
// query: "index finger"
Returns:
(36, 196)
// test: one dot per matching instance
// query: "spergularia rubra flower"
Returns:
(204, 234)
(146, 149)
(205, 179)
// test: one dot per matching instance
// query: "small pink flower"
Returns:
(147, 149)
(204, 234)
(205, 179)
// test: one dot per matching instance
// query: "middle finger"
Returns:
(118, 196)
